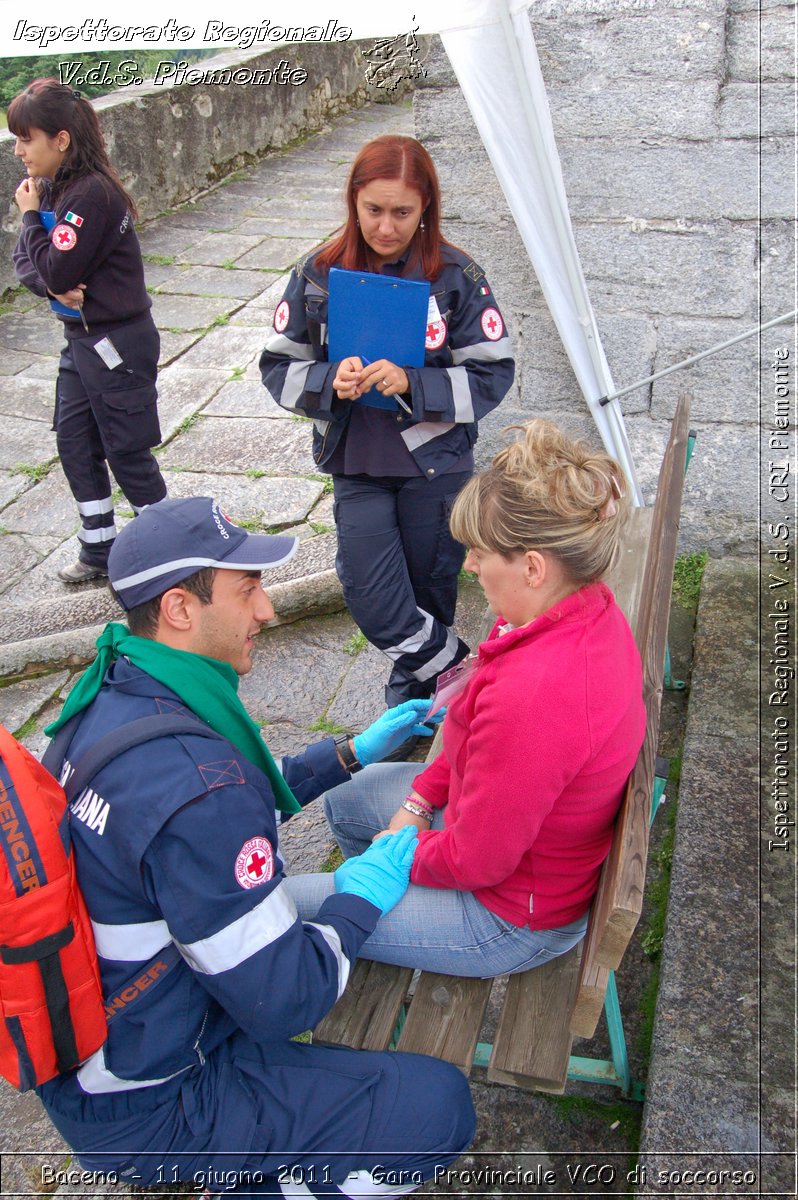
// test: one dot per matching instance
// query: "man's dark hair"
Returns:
(143, 619)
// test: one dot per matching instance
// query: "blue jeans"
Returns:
(431, 928)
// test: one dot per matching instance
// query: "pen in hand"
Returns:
(402, 404)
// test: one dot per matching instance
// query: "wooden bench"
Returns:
(545, 1008)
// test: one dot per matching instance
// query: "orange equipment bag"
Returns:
(51, 1006)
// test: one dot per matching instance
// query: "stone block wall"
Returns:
(681, 210)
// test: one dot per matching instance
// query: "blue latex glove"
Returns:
(381, 873)
(393, 728)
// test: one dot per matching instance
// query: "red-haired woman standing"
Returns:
(395, 474)
(78, 247)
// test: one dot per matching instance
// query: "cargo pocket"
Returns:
(128, 419)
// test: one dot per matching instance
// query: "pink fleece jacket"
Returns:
(536, 752)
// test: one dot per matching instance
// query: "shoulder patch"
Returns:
(281, 315)
(64, 237)
(473, 272)
(492, 324)
(222, 773)
(254, 863)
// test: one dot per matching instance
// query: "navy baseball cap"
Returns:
(173, 539)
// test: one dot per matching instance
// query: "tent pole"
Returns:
(688, 362)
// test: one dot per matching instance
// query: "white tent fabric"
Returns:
(524, 155)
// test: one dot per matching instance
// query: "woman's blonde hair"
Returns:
(546, 492)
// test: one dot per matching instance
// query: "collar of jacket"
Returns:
(582, 605)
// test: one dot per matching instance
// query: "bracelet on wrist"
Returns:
(417, 810)
(346, 754)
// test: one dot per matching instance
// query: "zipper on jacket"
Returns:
(197, 1046)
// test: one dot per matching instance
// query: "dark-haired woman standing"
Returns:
(395, 474)
(79, 248)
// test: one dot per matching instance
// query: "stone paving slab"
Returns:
(13, 361)
(21, 703)
(184, 313)
(183, 392)
(37, 331)
(243, 444)
(234, 284)
(277, 254)
(11, 486)
(267, 502)
(26, 443)
(218, 249)
(26, 398)
(225, 348)
(245, 398)
(47, 509)
(173, 345)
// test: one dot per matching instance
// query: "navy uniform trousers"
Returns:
(288, 1119)
(109, 417)
(398, 565)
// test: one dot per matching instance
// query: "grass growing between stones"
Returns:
(35, 472)
(356, 643)
(688, 572)
(624, 1116)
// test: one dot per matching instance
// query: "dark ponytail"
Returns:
(51, 106)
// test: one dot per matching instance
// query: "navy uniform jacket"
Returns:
(93, 242)
(467, 371)
(176, 842)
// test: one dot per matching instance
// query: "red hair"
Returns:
(390, 157)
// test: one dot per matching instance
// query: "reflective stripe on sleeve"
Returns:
(461, 395)
(483, 352)
(130, 943)
(238, 941)
(294, 384)
(334, 942)
(278, 343)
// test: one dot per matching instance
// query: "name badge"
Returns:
(452, 682)
(108, 353)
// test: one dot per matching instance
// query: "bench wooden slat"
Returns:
(445, 1018)
(533, 1040)
(589, 1003)
(365, 1017)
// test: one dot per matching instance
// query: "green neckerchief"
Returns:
(207, 686)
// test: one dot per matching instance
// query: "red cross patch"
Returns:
(436, 334)
(255, 863)
(64, 237)
(281, 315)
(492, 324)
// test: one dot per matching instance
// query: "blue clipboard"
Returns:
(377, 316)
(47, 219)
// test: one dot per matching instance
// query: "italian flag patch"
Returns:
(74, 219)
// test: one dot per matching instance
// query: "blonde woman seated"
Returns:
(515, 815)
